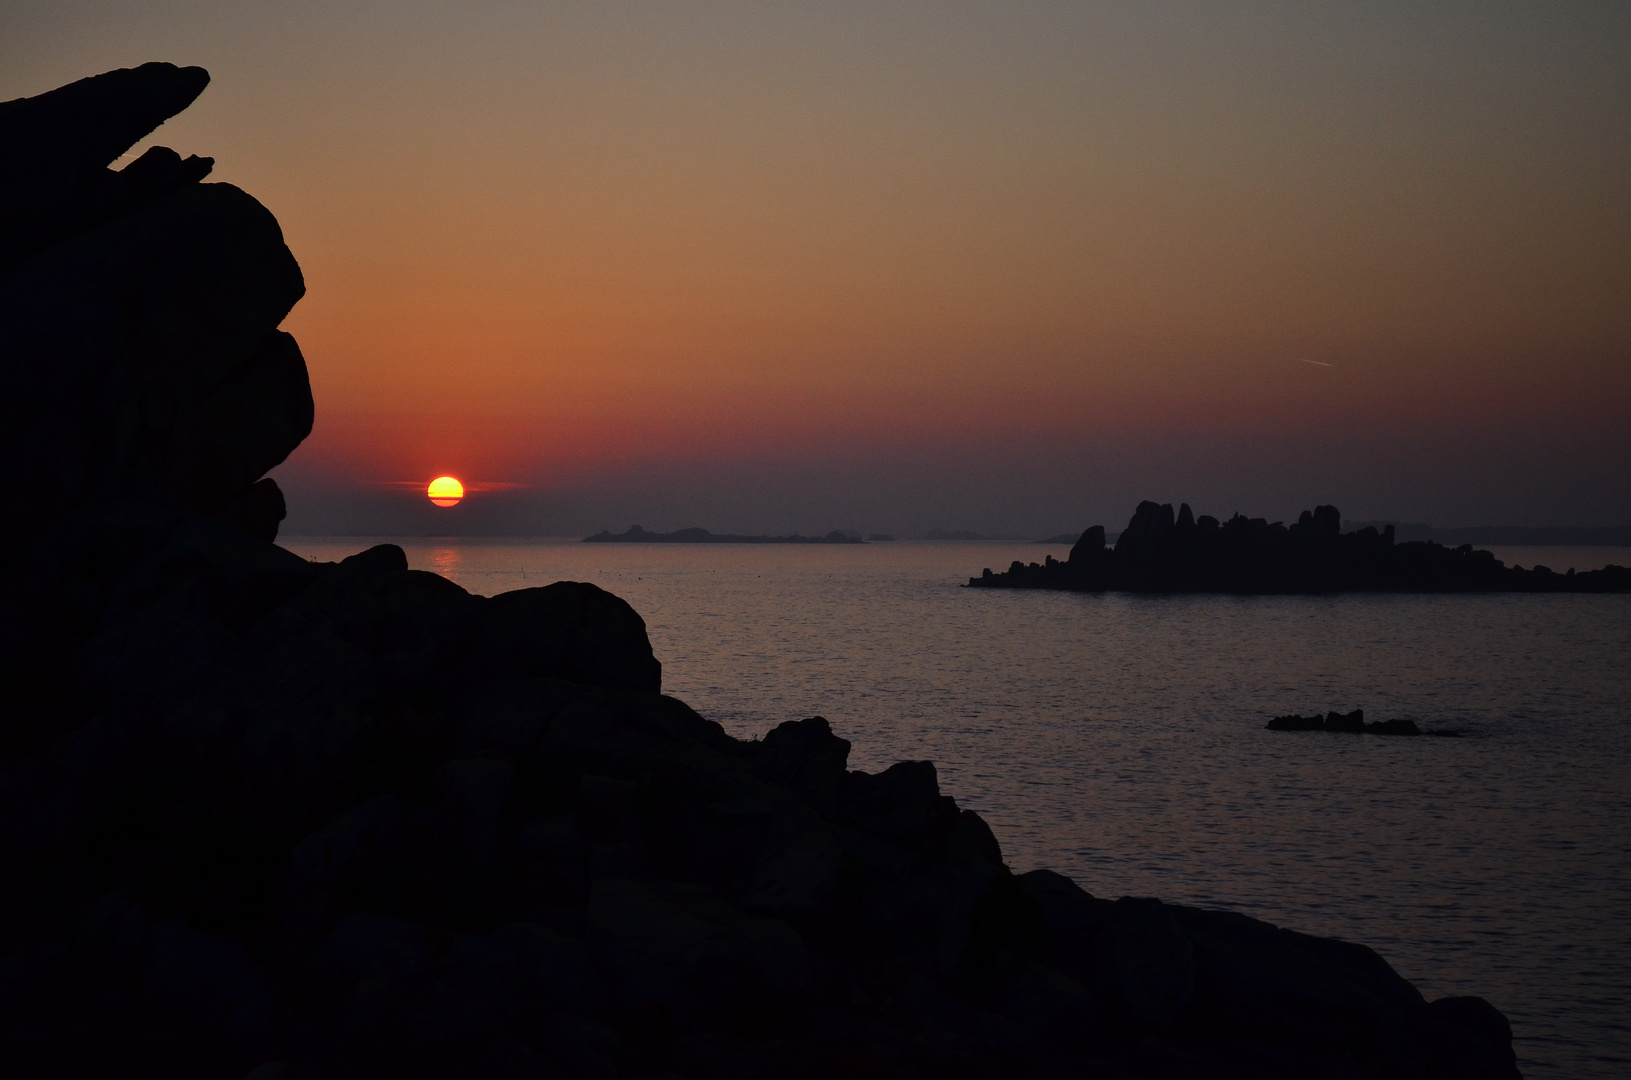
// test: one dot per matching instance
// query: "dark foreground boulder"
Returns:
(266, 818)
(54, 182)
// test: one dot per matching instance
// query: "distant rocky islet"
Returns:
(264, 817)
(1160, 551)
(1354, 723)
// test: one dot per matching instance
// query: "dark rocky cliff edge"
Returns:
(1160, 551)
(266, 818)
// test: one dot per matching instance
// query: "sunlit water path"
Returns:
(1119, 739)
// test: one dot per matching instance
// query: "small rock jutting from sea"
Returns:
(272, 818)
(1163, 552)
(1353, 723)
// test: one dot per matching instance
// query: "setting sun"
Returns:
(445, 491)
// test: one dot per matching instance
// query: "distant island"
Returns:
(637, 535)
(1160, 551)
(970, 536)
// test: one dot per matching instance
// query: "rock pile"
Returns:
(1352, 723)
(1163, 552)
(260, 817)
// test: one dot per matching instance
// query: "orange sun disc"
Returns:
(445, 491)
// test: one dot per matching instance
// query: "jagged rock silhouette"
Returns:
(264, 817)
(1161, 552)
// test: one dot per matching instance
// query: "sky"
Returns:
(769, 266)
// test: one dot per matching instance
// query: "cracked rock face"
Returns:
(265, 817)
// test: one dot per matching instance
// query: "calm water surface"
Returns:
(1119, 739)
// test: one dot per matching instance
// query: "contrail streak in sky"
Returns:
(1316, 363)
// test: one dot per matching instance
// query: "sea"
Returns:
(1119, 739)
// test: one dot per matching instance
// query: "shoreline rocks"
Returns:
(261, 817)
(1163, 552)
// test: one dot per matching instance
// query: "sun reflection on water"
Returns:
(445, 561)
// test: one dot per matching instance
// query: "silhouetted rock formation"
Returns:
(637, 535)
(1352, 724)
(348, 820)
(1163, 552)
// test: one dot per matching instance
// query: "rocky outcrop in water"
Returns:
(263, 817)
(1163, 552)
(1352, 723)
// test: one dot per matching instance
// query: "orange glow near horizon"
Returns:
(557, 243)
(445, 491)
